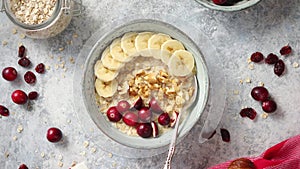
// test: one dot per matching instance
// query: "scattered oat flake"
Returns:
(14, 31)
(249, 60)
(6, 154)
(19, 129)
(42, 154)
(93, 150)
(51, 56)
(22, 36)
(73, 163)
(114, 164)
(251, 66)
(75, 35)
(72, 60)
(295, 65)
(15, 138)
(83, 153)
(86, 144)
(47, 67)
(236, 92)
(65, 69)
(60, 157)
(110, 155)
(60, 164)
(248, 80)
(61, 49)
(4, 42)
(264, 115)
(56, 66)
(69, 121)
(261, 84)
(63, 76)
(241, 81)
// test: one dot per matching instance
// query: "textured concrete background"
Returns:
(265, 27)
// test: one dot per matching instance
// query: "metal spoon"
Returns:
(175, 134)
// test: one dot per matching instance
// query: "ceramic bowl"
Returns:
(88, 91)
(243, 4)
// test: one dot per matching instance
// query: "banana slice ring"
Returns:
(181, 63)
(109, 62)
(168, 48)
(106, 89)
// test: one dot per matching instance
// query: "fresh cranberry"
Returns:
(269, 106)
(248, 112)
(219, 2)
(164, 119)
(285, 50)
(19, 97)
(40, 68)
(139, 104)
(144, 114)
(260, 93)
(154, 106)
(257, 57)
(279, 67)
(123, 106)
(225, 135)
(9, 73)
(4, 111)
(144, 130)
(130, 118)
(32, 95)
(23, 166)
(54, 135)
(21, 51)
(271, 59)
(29, 77)
(113, 114)
(24, 62)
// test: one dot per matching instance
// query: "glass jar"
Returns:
(60, 18)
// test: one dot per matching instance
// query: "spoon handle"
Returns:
(172, 145)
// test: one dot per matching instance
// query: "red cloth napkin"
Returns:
(284, 155)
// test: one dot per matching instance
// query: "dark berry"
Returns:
(19, 97)
(32, 95)
(123, 106)
(248, 112)
(286, 50)
(269, 106)
(40, 68)
(139, 104)
(257, 57)
(279, 67)
(154, 106)
(145, 114)
(212, 134)
(4, 111)
(164, 119)
(21, 51)
(271, 59)
(225, 135)
(113, 114)
(29, 77)
(144, 130)
(260, 93)
(23, 166)
(54, 135)
(9, 73)
(219, 2)
(130, 118)
(24, 62)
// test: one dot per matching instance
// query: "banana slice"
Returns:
(168, 48)
(109, 62)
(155, 42)
(128, 43)
(117, 52)
(181, 63)
(141, 43)
(103, 73)
(106, 89)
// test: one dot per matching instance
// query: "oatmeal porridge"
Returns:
(143, 81)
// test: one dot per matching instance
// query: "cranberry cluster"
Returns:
(273, 59)
(140, 116)
(10, 74)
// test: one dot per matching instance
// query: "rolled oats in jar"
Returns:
(40, 19)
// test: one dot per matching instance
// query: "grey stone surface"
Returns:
(265, 27)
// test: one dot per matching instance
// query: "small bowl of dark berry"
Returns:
(228, 5)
